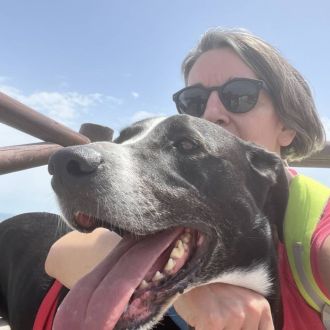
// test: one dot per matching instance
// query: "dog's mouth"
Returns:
(135, 281)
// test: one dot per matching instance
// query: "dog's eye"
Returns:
(185, 145)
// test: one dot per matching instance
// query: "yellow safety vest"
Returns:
(307, 200)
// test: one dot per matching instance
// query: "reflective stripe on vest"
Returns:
(307, 200)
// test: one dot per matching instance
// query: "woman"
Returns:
(279, 115)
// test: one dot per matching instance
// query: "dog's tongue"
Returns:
(99, 299)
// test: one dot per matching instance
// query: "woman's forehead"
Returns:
(217, 66)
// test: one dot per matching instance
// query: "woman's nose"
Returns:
(215, 110)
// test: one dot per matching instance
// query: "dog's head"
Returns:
(193, 203)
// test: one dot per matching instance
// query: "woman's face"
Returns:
(260, 125)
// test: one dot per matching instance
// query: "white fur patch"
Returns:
(257, 278)
(149, 127)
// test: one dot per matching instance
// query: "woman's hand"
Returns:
(76, 254)
(220, 306)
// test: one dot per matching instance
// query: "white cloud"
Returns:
(136, 95)
(67, 108)
(61, 106)
(64, 106)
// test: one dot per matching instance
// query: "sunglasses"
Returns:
(238, 95)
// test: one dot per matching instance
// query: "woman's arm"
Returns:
(76, 254)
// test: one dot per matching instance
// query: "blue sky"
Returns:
(113, 62)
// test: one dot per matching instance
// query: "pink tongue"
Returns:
(99, 299)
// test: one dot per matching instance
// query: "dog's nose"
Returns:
(74, 162)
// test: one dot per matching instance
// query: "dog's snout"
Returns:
(74, 162)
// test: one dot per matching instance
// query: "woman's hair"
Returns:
(290, 93)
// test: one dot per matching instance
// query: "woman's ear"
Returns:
(286, 136)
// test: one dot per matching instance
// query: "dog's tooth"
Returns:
(186, 237)
(179, 244)
(158, 276)
(144, 284)
(170, 265)
(177, 252)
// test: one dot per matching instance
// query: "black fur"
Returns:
(185, 172)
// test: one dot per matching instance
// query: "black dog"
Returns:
(193, 203)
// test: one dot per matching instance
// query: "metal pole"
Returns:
(25, 119)
(319, 159)
(21, 157)
(18, 115)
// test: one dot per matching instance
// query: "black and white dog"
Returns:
(193, 203)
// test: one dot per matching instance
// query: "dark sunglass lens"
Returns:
(192, 101)
(240, 95)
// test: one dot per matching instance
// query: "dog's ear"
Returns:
(269, 184)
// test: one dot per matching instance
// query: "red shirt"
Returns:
(297, 314)
(46, 313)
